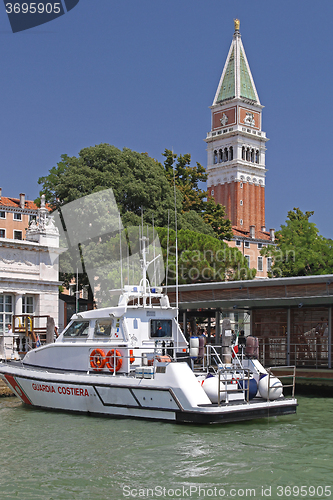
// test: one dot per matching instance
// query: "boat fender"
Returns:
(211, 388)
(163, 359)
(97, 359)
(275, 390)
(110, 360)
(194, 347)
(132, 358)
(243, 384)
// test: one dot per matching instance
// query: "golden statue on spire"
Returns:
(237, 24)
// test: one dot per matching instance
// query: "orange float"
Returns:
(111, 357)
(97, 359)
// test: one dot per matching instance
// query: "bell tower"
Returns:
(236, 143)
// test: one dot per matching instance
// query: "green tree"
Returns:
(187, 179)
(138, 182)
(215, 216)
(202, 258)
(300, 250)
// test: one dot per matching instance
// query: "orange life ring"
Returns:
(132, 358)
(97, 359)
(110, 360)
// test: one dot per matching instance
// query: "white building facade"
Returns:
(28, 277)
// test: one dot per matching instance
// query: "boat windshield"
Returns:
(160, 328)
(77, 329)
(103, 328)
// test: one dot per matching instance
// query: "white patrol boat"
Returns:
(133, 360)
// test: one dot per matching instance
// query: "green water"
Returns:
(47, 455)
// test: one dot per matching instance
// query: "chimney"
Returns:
(22, 200)
(263, 228)
(272, 232)
(252, 231)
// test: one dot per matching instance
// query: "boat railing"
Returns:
(283, 375)
(233, 381)
(215, 355)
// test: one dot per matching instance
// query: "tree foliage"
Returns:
(144, 191)
(138, 182)
(178, 170)
(187, 179)
(300, 250)
(202, 258)
(215, 216)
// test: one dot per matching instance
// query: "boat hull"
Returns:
(129, 397)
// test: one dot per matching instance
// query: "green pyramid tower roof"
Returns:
(227, 89)
(236, 80)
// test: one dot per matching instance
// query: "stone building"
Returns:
(29, 277)
(15, 216)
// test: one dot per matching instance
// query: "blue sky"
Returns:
(142, 74)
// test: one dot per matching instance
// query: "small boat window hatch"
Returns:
(160, 328)
(103, 328)
(77, 329)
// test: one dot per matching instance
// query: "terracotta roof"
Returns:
(259, 235)
(15, 202)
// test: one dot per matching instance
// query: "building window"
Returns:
(6, 312)
(241, 202)
(17, 216)
(257, 156)
(215, 156)
(2, 215)
(241, 185)
(247, 244)
(241, 222)
(269, 264)
(259, 245)
(231, 153)
(17, 235)
(2, 233)
(247, 258)
(260, 266)
(212, 192)
(32, 217)
(238, 243)
(27, 304)
(243, 153)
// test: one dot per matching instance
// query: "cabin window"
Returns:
(160, 328)
(103, 328)
(77, 329)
